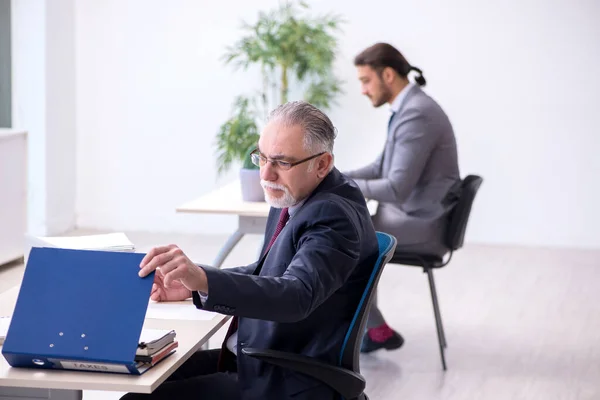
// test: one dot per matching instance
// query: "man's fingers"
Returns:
(159, 257)
(178, 273)
(158, 277)
(168, 267)
(153, 253)
(157, 295)
(155, 287)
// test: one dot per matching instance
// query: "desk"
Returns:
(252, 216)
(26, 384)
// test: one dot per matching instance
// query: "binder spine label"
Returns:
(99, 367)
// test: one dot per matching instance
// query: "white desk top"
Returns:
(191, 335)
(226, 200)
(6, 133)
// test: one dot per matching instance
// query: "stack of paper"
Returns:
(108, 241)
(155, 345)
(105, 242)
(4, 324)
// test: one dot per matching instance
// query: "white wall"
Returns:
(43, 65)
(518, 79)
(29, 107)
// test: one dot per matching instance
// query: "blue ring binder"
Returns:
(79, 309)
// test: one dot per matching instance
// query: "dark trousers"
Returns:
(197, 379)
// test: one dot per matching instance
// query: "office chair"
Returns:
(455, 236)
(344, 377)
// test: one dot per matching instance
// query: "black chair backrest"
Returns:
(459, 216)
(349, 354)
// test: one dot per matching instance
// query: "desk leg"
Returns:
(246, 225)
(255, 226)
(226, 249)
(13, 393)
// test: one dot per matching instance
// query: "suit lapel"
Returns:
(269, 231)
(260, 264)
(387, 150)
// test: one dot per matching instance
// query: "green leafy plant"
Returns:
(237, 137)
(294, 51)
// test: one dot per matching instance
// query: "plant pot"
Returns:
(251, 187)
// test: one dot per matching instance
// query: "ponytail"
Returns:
(420, 79)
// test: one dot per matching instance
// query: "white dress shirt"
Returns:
(397, 103)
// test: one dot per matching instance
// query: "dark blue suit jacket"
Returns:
(301, 297)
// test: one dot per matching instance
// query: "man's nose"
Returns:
(268, 172)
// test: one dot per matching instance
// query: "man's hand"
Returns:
(177, 292)
(176, 275)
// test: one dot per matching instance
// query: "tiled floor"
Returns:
(521, 323)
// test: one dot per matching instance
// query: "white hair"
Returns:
(319, 132)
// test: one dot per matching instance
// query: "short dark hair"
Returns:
(382, 55)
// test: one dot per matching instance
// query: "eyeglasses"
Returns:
(260, 160)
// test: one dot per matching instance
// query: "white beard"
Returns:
(287, 200)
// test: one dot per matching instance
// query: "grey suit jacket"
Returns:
(416, 178)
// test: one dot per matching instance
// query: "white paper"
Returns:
(186, 311)
(109, 241)
(4, 324)
(150, 335)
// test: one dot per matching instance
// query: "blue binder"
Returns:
(80, 310)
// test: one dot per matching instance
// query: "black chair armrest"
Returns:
(347, 383)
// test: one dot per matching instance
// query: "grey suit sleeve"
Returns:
(371, 171)
(327, 253)
(413, 144)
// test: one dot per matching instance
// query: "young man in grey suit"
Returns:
(416, 177)
(300, 297)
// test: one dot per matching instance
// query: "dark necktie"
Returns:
(390, 121)
(283, 219)
(389, 135)
(225, 354)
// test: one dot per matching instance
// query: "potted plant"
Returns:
(236, 139)
(294, 51)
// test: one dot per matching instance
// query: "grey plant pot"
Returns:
(251, 187)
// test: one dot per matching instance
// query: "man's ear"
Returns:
(324, 165)
(388, 75)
